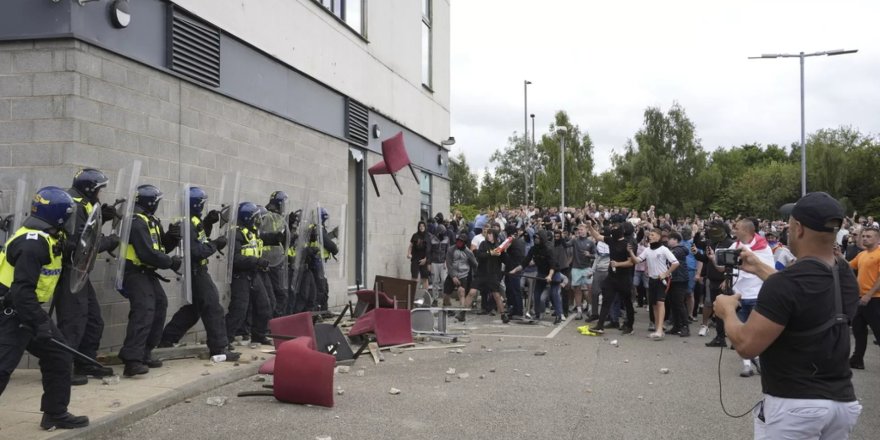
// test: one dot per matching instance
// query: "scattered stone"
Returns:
(187, 401)
(340, 392)
(540, 353)
(206, 373)
(394, 391)
(626, 361)
(464, 375)
(491, 370)
(51, 429)
(216, 401)
(260, 378)
(344, 369)
(500, 339)
(254, 357)
(115, 404)
(254, 345)
(323, 437)
(650, 383)
(482, 376)
(664, 370)
(483, 347)
(489, 350)
(516, 370)
(411, 359)
(450, 371)
(448, 379)
(359, 373)
(235, 364)
(641, 397)
(614, 343)
(528, 375)
(110, 380)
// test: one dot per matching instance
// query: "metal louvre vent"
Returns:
(194, 49)
(357, 125)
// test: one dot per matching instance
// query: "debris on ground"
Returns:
(540, 353)
(343, 369)
(394, 391)
(115, 404)
(110, 380)
(464, 375)
(359, 373)
(491, 370)
(664, 370)
(260, 378)
(614, 343)
(216, 400)
(206, 373)
(450, 371)
(528, 375)
(482, 376)
(448, 379)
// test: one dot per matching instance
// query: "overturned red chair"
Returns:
(302, 375)
(394, 158)
(286, 328)
(387, 326)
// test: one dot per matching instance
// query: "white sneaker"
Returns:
(703, 330)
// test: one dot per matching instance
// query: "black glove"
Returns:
(262, 263)
(219, 243)
(173, 232)
(43, 332)
(6, 223)
(108, 212)
(212, 217)
(112, 242)
(176, 262)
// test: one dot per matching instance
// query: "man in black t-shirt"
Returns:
(620, 272)
(799, 327)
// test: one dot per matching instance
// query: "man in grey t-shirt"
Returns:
(583, 255)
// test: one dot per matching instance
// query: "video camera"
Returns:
(728, 257)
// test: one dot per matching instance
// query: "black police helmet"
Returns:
(88, 182)
(148, 197)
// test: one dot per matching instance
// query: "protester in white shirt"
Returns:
(661, 263)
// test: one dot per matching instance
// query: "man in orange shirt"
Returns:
(867, 263)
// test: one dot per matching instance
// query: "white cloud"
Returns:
(604, 62)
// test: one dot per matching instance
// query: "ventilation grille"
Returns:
(357, 122)
(195, 49)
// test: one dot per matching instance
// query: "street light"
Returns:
(530, 160)
(802, 55)
(526, 137)
(561, 131)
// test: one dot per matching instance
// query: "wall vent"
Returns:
(194, 49)
(357, 122)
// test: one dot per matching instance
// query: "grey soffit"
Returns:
(357, 122)
(195, 49)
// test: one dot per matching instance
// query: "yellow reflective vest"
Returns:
(155, 238)
(49, 274)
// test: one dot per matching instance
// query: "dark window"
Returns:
(427, 43)
(350, 12)
(425, 189)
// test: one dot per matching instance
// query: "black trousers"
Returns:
(675, 300)
(146, 315)
(79, 317)
(248, 290)
(55, 363)
(266, 280)
(513, 290)
(714, 291)
(276, 275)
(612, 289)
(306, 293)
(866, 316)
(206, 306)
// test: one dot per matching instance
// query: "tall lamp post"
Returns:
(561, 131)
(526, 138)
(802, 55)
(531, 161)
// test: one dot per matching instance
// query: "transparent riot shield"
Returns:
(231, 227)
(186, 292)
(19, 211)
(127, 212)
(339, 236)
(273, 224)
(12, 210)
(303, 218)
(83, 258)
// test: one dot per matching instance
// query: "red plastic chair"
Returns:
(302, 375)
(289, 327)
(389, 326)
(394, 158)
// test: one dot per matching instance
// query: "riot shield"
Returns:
(19, 211)
(127, 211)
(300, 244)
(272, 224)
(340, 240)
(12, 210)
(231, 227)
(83, 258)
(183, 249)
(319, 227)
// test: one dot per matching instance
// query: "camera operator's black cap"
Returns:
(817, 211)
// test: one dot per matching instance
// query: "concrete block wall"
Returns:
(66, 104)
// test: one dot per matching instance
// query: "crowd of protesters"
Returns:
(595, 262)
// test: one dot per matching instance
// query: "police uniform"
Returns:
(146, 252)
(206, 299)
(79, 314)
(248, 289)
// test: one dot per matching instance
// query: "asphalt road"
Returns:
(583, 387)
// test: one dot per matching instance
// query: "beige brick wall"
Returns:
(66, 105)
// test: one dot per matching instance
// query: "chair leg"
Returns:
(256, 393)
(373, 178)
(414, 174)
(394, 178)
(362, 348)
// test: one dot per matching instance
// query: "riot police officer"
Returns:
(147, 250)
(30, 268)
(319, 256)
(206, 299)
(248, 289)
(277, 200)
(79, 314)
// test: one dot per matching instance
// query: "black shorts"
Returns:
(487, 286)
(449, 286)
(656, 291)
(415, 269)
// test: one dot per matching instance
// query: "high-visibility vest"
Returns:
(252, 246)
(155, 238)
(88, 206)
(202, 237)
(49, 273)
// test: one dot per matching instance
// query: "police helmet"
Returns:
(148, 197)
(248, 213)
(88, 182)
(52, 205)
(197, 199)
(277, 200)
(324, 215)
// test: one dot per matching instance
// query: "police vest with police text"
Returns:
(49, 273)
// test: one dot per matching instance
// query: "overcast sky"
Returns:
(604, 62)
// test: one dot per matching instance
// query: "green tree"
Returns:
(579, 163)
(511, 167)
(462, 182)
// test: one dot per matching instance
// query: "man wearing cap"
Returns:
(867, 263)
(800, 328)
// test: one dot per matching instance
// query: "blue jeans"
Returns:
(555, 297)
(746, 309)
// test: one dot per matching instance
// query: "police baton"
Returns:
(76, 353)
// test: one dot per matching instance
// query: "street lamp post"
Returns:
(530, 162)
(562, 130)
(802, 55)
(526, 138)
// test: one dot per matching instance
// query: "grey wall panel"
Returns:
(26, 19)
(144, 39)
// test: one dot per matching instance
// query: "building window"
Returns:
(425, 190)
(427, 46)
(350, 12)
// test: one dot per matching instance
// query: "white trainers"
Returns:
(703, 330)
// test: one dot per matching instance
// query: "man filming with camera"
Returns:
(800, 329)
